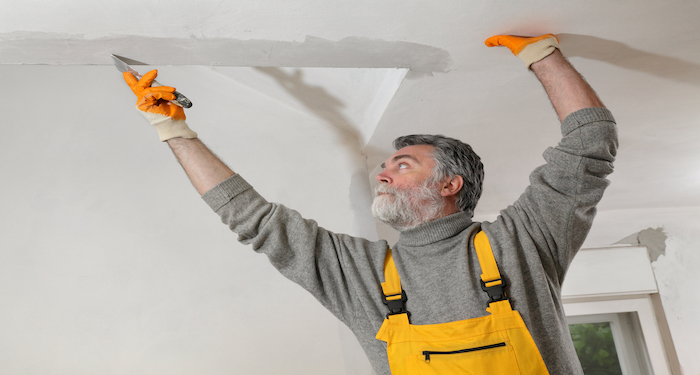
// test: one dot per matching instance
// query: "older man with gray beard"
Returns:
(451, 174)
(407, 208)
(428, 190)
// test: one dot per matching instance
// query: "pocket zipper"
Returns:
(427, 353)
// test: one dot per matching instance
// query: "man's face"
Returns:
(408, 167)
(406, 195)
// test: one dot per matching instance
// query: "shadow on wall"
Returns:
(616, 53)
(319, 102)
(330, 109)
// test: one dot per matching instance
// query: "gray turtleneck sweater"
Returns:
(533, 240)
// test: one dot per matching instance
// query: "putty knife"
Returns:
(119, 62)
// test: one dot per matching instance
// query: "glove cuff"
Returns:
(174, 129)
(169, 128)
(537, 51)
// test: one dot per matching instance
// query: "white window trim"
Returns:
(626, 334)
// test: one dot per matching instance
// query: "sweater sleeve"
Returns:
(556, 211)
(326, 264)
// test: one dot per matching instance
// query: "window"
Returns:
(610, 344)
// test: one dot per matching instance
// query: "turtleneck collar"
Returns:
(436, 230)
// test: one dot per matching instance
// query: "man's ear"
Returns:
(451, 186)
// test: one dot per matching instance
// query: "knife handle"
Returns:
(180, 99)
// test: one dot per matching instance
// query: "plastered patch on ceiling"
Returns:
(351, 52)
(653, 239)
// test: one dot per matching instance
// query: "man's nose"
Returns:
(384, 177)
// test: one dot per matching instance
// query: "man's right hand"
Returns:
(155, 104)
(528, 49)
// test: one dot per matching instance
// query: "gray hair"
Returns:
(452, 158)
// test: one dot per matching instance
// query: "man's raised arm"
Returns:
(560, 202)
(204, 169)
(566, 88)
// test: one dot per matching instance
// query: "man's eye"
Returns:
(403, 165)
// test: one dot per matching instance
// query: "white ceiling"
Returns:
(643, 58)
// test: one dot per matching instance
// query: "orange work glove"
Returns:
(154, 103)
(530, 50)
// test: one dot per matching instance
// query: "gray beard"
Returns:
(405, 209)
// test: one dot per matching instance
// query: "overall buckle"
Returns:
(496, 292)
(396, 306)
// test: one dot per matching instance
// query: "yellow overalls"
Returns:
(491, 345)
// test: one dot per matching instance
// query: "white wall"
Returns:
(111, 264)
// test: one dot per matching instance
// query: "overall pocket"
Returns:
(492, 359)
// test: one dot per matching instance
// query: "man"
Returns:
(428, 190)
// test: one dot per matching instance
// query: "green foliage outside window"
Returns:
(595, 348)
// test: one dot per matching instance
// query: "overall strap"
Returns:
(393, 295)
(491, 281)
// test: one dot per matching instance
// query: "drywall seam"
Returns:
(351, 52)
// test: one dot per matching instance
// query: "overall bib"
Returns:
(495, 344)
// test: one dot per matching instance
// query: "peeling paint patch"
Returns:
(351, 52)
(653, 239)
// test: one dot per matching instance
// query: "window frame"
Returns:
(635, 359)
